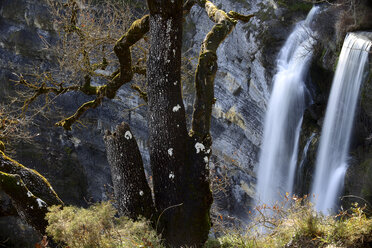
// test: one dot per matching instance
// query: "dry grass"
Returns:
(294, 223)
(98, 227)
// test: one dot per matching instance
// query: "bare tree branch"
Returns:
(122, 50)
(82, 56)
(207, 67)
(141, 93)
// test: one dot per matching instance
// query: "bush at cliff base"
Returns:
(97, 226)
(294, 223)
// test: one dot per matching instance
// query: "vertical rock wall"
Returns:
(246, 63)
(75, 161)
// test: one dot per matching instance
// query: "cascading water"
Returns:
(306, 148)
(331, 162)
(302, 173)
(283, 119)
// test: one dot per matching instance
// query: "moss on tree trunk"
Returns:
(30, 192)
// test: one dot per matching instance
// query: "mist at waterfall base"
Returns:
(278, 157)
(331, 162)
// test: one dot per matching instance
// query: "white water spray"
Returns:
(283, 119)
(331, 162)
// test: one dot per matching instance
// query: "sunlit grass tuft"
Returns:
(294, 223)
(97, 226)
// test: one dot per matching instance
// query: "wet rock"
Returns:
(17, 234)
(75, 161)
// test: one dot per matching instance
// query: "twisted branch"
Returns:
(207, 67)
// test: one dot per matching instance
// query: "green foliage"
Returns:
(234, 239)
(97, 227)
(354, 230)
(296, 224)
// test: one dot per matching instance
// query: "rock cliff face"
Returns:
(75, 161)
(332, 26)
(246, 63)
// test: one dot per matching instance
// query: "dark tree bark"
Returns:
(30, 192)
(128, 176)
(179, 160)
(166, 118)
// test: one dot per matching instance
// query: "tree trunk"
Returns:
(132, 192)
(179, 161)
(181, 199)
(30, 192)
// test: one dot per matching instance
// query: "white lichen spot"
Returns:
(178, 125)
(171, 175)
(206, 159)
(208, 151)
(103, 72)
(199, 147)
(128, 135)
(175, 83)
(176, 108)
(141, 193)
(41, 203)
(29, 194)
(17, 183)
(75, 141)
(32, 207)
(174, 52)
(170, 151)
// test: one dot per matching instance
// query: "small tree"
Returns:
(179, 158)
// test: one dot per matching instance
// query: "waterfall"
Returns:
(304, 153)
(278, 158)
(302, 173)
(331, 162)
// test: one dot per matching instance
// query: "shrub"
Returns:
(98, 227)
(294, 223)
